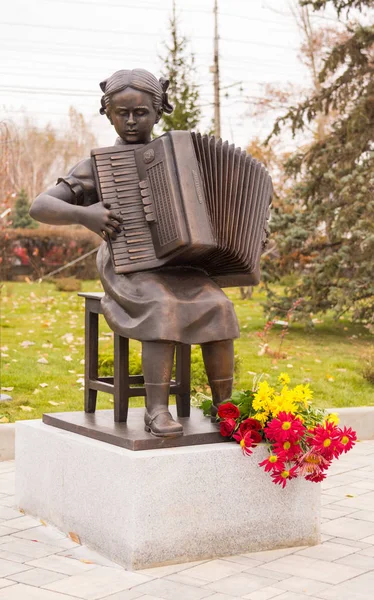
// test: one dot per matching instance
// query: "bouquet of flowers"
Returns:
(302, 439)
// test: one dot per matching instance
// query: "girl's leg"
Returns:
(219, 365)
(157, 360)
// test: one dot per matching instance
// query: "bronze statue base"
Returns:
(100, 425)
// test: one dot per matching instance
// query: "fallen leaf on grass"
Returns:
(26, 344)
(7, 389)
(42, 361)
(26, 408)
(52, 403)
(68, 358)
(4, 420)
(36, 391)
(74, 537)
(43, 385)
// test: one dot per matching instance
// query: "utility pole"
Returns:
(217, 101)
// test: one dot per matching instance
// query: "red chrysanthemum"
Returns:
(287, 450)
(326, 441)
(250, 425)
(282, 476)
(228, 410)
(245, 441)
(272, 463)
(285, 427)
(227, 427)
(316, 478)
(311, 465)
(348, 438)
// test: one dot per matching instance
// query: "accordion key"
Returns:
(186, 199)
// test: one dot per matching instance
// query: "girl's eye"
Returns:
(140, 113)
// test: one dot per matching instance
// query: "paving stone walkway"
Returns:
(37, 562)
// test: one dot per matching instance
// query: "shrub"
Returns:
(368, 368)
(37, 252)
(68, 284)
(199, 378)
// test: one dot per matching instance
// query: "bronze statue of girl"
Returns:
(160, 307)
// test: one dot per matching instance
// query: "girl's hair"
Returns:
(141, 80)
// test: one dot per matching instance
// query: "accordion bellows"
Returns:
(187, 200)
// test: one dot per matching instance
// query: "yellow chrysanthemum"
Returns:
(263, 396)
(284, 378)
(332, 418)
(302, 394)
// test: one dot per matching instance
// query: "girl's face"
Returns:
(133, 115)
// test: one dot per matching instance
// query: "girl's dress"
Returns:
(180, 304)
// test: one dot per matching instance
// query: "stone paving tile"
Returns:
(221, 597)
(97, 583)
(269, 555)
(61, 564)
(243, 560)
(264, 572)
(240, 584)
(84, 553)
(8, 567)
(185, 579)
(328, 551)
(302, 585)
(332, 512)
(358, 560)
(7, 512)
(355, 543)
(29, 548)
(363, 515)
(12, 556)
(364, 502)
(363, 585)
(170, 590)
(6, 583)
(214, 570)
(295, 596)
(318, 570)
(5, 531)
(36, 577)
(8, 501)
(133, 594)
(265, 594)
(349, 528)
(20, 591)
(49, 535)
(23, 522)
(168, 570)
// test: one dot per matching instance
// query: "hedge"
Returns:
(36, 252)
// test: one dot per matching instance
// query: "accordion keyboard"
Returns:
(119, 187)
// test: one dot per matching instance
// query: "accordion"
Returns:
(186, 199)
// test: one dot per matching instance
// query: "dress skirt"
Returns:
(180, 304)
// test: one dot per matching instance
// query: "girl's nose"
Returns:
(131, 120)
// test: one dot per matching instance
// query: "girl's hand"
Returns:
(101, 220)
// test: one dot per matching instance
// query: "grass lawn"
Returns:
(42, 349)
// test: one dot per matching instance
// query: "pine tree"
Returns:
(22, 219)
(326, 236)
(179, 68)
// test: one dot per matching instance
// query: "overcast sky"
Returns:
(55, 53)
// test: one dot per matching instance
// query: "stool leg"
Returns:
(183, 377)
(121, 378)
(91, 360)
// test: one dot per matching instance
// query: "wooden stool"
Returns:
(119, 384)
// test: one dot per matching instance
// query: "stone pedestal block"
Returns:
(154, 507)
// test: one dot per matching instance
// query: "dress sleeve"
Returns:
(80, 180)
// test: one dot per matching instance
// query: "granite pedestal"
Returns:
(154, 507)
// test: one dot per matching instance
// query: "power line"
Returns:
(138, 33)
(161, 9)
